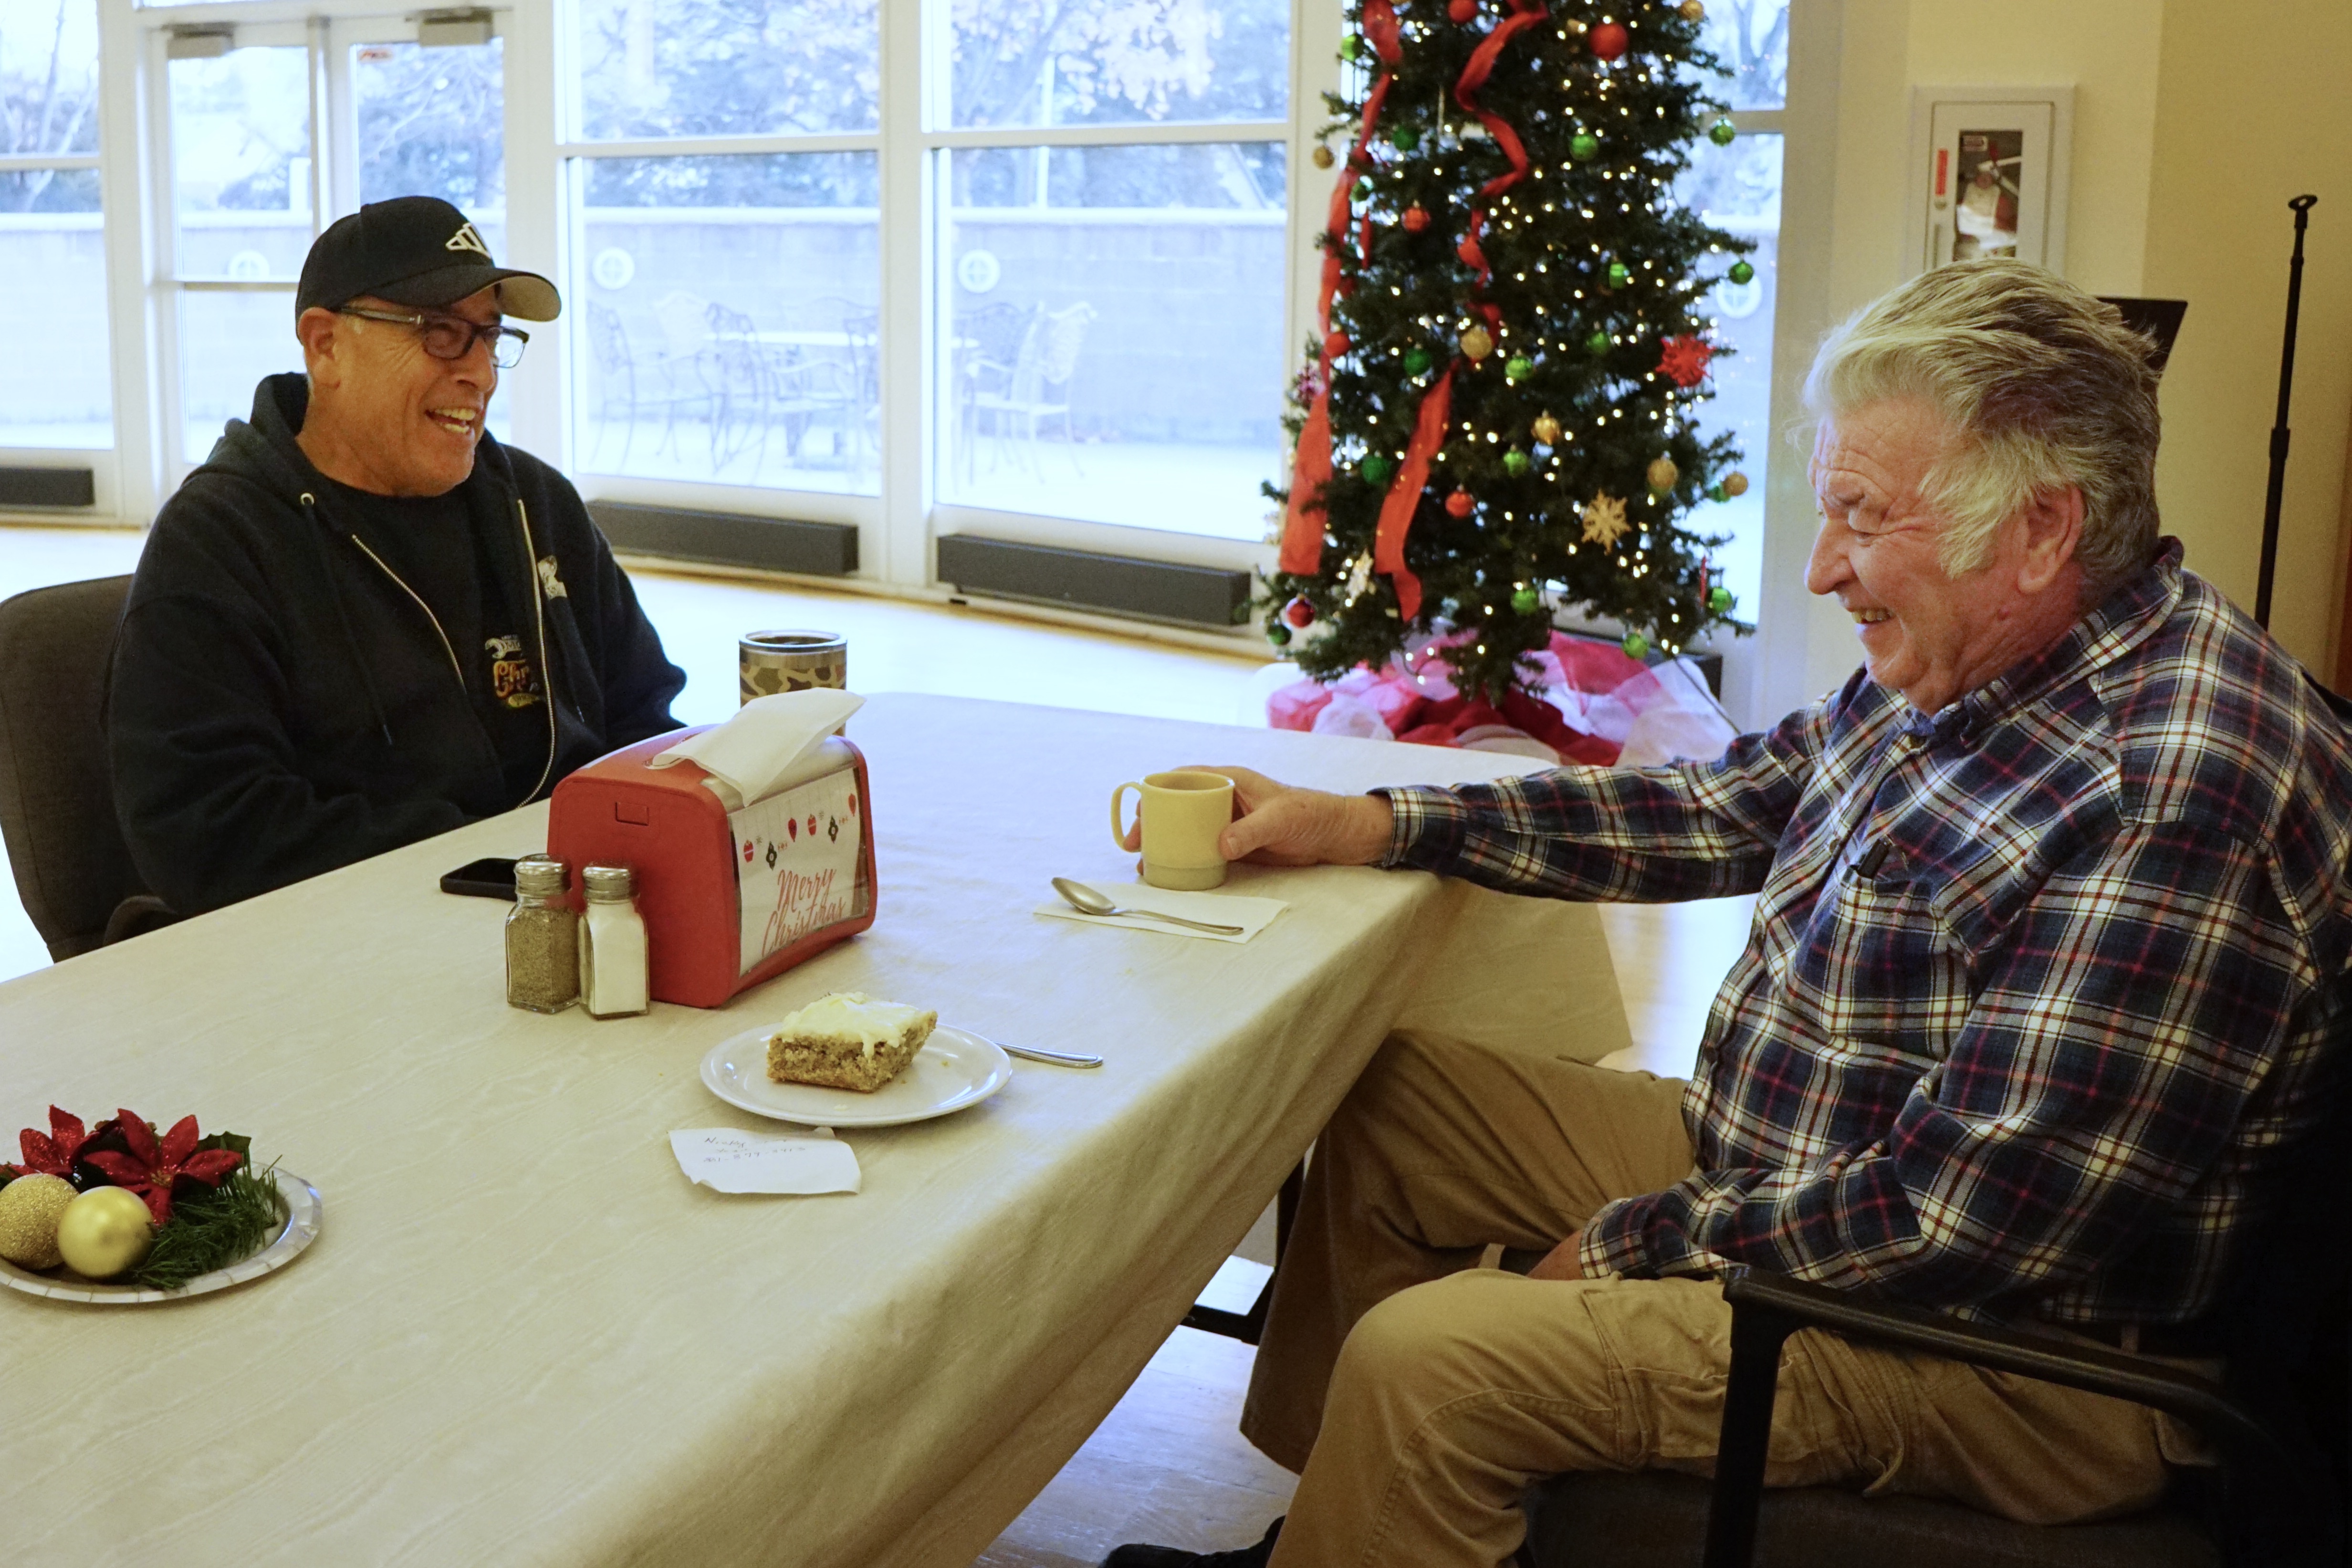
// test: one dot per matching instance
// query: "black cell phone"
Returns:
(487, 878)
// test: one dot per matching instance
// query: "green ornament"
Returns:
(1404, 139)
(1525, 601)
(1635, 645)
(1719, 600)
(1717, 493)
(1279, 635)
(1350, 47)
(1598, 343)
(1417, 362)
(1619, 275)
(1742, 273)
(1583, 145)
(1722, 132)
(1518, 367)
(1377, 468)
(1364, 189)
(1516, 462)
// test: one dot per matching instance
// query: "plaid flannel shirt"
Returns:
(2038, 986)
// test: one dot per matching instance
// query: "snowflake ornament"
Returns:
(1604, 521)
(1684, 359)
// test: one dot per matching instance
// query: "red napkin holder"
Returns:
(696, 863)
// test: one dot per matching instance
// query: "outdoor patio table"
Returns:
(523, 1337)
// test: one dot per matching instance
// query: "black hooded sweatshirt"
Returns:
(282, 702)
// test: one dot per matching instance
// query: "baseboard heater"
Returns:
(1083, 579)
(730, 538)
(48, 489)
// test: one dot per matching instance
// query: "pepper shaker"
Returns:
(542, 939)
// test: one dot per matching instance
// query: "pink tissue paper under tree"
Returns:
(1589, 703)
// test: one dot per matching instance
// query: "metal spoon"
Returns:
(1086, 901)
(1034, 1054)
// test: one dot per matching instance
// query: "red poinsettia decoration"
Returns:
(151, 1168)
(52, 1155)
(1684, 360)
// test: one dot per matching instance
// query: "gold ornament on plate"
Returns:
(29, 1209)
(1735, 483)
(104, 1232)
(1604, 521)
(1663, 474)
(1477, 344)
(1547, 429)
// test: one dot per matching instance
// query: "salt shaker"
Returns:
(542, 939)
(613, 983)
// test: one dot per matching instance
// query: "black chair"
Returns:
(56, 797)
(2280, 1419)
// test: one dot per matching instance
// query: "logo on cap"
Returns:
(466, 239)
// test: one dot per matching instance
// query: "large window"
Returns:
(724, 180)
(54, 392)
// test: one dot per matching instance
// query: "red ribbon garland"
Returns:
(1404, 497)
(1302, 538)
(1302, 528)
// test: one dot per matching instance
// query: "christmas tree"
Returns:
(1496, 419)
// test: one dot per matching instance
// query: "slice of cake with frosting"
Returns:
(847, 1040)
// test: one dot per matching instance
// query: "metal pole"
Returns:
(2301, 206)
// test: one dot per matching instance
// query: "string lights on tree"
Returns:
(1494, 419)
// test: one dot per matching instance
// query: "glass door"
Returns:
(274, 132)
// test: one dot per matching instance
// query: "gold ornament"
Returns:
(1663, 474)
(1735, 483)
(1547, 429)
(1692, 11)
(1477, 344)
(1604, 521)
(104, 1232)
(29, 1207)
(1322, 156)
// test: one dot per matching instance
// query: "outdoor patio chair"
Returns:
(1034, 387)
(635, 384)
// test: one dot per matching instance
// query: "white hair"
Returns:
(2041, 385)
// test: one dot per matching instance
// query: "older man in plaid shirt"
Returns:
(2052, 910)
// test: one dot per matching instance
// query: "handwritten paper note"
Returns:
(727, 1160)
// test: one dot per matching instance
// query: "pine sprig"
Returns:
(214, 1229)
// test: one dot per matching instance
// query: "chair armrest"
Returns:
(1765, 1308)
(2043, 1356)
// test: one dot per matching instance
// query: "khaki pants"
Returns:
(1418, 1395)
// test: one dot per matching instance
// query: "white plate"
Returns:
(303, 1211)
(952, 1071)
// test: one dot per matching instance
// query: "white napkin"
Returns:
(753, 751)
(729, 1160)
(1253, 915)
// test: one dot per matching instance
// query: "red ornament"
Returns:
(1416, 218)
(1684, 360)
(1469, 252)
(1335, 344)
(1460, 504)
(1463, 10)
(1299, 614)
(1609, 40)
(52, 1155)
(151, 1168)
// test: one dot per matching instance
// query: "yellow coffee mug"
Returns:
(1181, 812)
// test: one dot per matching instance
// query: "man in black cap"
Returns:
(364, 621)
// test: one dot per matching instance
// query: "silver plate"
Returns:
(303, 1210)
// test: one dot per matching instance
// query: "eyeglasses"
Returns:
(453, 337)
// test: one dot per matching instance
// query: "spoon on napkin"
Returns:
(1086, 901)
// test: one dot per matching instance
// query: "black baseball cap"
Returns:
(414, 251)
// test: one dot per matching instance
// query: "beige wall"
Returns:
(2193, 123)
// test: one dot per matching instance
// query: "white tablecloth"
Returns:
(524, 1338)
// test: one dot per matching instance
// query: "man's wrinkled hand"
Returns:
(1277, 824)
